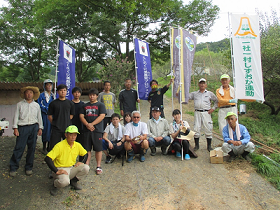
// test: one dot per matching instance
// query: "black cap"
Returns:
(155, 108)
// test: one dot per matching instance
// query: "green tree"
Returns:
(116, 70)
(22, 42)
(270, 54)
(102, 27)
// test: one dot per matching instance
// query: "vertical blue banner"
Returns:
(144, 69)
(66, 68)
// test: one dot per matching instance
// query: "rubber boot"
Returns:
(196, 140)
(209, 148)
(130, 157)
(142, 157)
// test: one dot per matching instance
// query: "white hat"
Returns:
(202, 80)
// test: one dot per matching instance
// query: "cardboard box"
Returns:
(216, 156)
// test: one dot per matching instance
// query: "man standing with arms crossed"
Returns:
(128, 98)
(202, 115)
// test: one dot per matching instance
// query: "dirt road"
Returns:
(161, 182)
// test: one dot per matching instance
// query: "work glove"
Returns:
(233, 100)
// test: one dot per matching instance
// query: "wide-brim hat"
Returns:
(187, 137)
(34, 89)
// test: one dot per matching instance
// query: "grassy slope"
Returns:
(262, 126)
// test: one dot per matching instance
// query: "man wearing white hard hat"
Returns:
(44, 101)
(226, 100)
(27, 125)
(236, 138)
(202, 116)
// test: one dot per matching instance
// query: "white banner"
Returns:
(247, 57)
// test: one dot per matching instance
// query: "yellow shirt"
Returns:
(65, 156)
(224, 100)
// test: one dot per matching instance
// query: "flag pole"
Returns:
(171, 64)
(57, 55)
(136, 72)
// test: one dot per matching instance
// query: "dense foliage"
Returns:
(96, 29)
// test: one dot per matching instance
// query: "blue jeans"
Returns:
(164, 142)
(27, 136)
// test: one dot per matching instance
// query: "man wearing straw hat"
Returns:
(27, 125)
(226, 100)
(202, 115)
(236, 138)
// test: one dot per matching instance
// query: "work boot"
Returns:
(163, 150)
(142, 152)
(153, 151)
(74, 183)
(245, 155)
(209, 148)
(130, 157)
(53, 190)
(196, 141)
(231, 157)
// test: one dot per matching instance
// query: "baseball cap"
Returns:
(225, 76)
(72, 129)
(202, 80)
(155, 108)
(230, 114)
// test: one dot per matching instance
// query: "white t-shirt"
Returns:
(133, 131)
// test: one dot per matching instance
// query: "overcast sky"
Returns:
(220, 29)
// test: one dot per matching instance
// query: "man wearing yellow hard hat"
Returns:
(236, 138)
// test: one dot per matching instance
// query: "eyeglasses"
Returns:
(136, 117)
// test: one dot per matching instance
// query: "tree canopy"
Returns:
(96, 29)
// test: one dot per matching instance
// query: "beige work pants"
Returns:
(203, 119)
(63, 180)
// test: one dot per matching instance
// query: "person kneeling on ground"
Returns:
(113, 138)
(136, 137)
(176, 134)
(158, 129)
(236, 139)
(62, 161)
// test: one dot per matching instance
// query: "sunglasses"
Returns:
(136, 117)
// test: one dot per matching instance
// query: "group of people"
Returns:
(84, 127)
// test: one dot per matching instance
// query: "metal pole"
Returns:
(171, 64)
(136, 71)
(57, 55)
(232, 58)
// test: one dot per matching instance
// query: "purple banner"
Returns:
(144, 70)
(182, 60)
(66, 68)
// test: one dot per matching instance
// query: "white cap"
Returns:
(202, 80)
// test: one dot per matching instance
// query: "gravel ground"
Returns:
(161, 182)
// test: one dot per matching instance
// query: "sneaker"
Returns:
(28, 172)
(53, 190)
(13, 173)
(153, 151)
(108, 159)
(130, 159)
(163, 150)
(142, 158)
(187, 157)
(178, 154)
